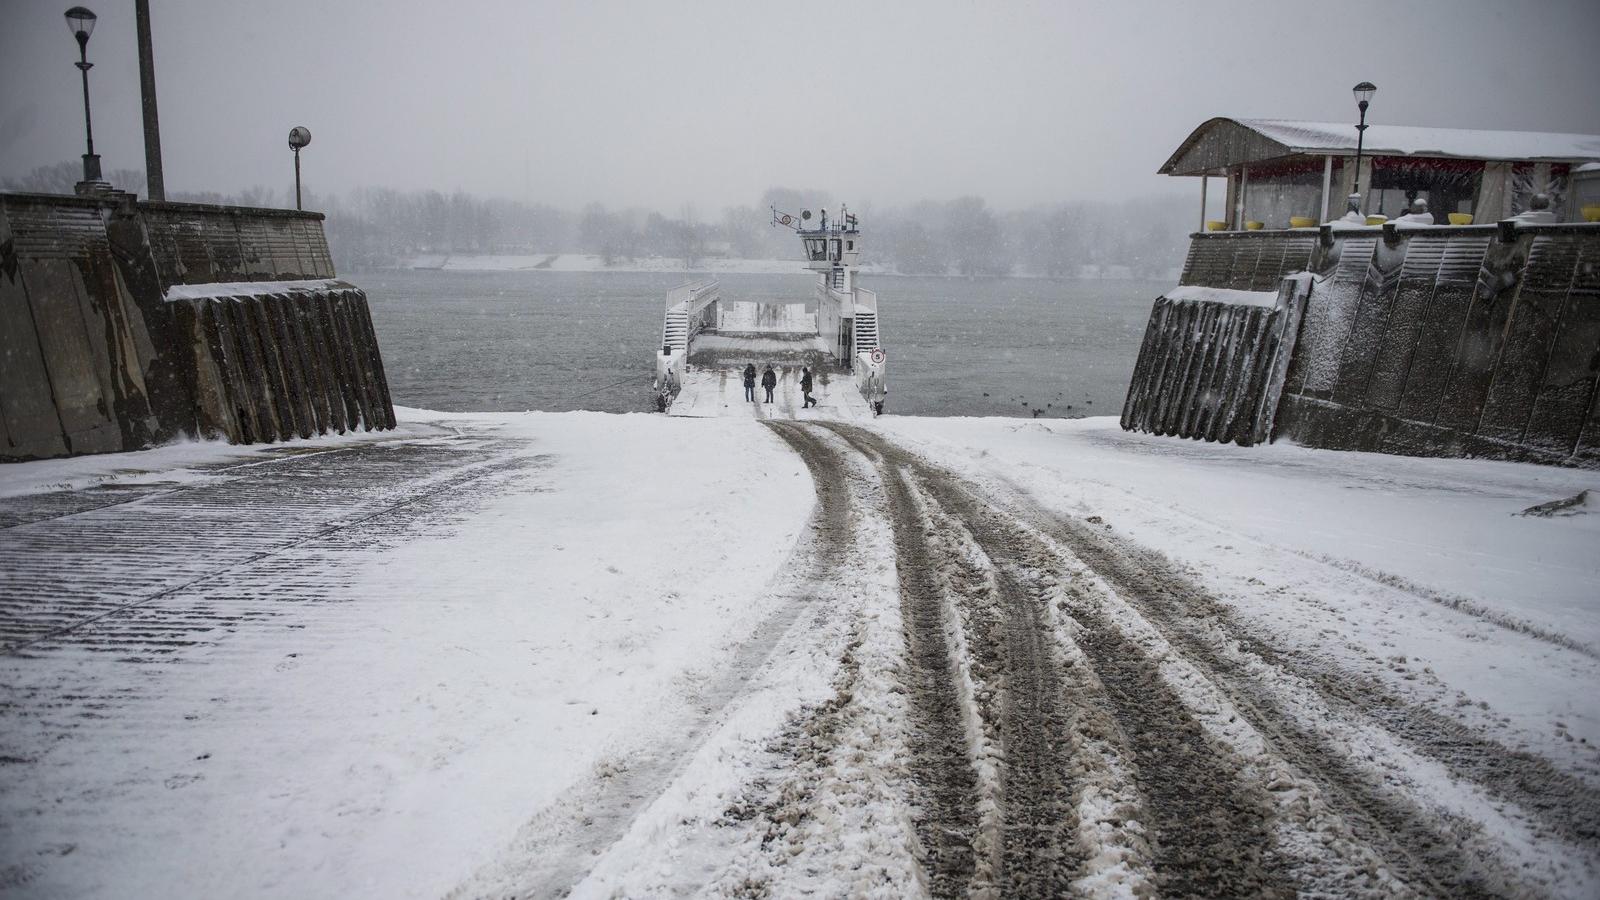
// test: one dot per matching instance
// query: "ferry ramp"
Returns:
(713, 381)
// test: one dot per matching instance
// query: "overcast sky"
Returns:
(708, 103)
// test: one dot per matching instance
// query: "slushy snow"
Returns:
(417, 715)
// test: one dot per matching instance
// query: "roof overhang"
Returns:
(1221, 143)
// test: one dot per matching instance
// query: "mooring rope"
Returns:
(606, 388)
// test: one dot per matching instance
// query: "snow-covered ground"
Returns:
(394, 713)
(646, 655)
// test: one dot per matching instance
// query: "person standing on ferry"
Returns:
(769, 380)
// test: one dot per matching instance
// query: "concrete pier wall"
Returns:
(1214, 370)
(197, 244)
(95, 358)
(74, 343)
(276, 364)
(1247, 260)
(1438, 341)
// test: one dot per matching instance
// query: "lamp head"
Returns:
(1364, 92)
(81, 22)
(299, 137)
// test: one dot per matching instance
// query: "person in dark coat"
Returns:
(769, 380)
(805, 388)
(750, 382)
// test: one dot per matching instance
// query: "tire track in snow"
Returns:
(1432, 854)
(1210, 833)
(947, 822)
(1025, 706)
(1182, 610)
(1466, 606)
(832, 812)
(1424, 855)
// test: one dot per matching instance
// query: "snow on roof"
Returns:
(1285, 137)
(1411, 140)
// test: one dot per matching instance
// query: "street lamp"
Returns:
(299, 136)
(81, 22)
(1363, 92)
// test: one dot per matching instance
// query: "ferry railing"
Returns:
(691, 300)
(867, 300)
(869, 365)
(868, 372)
(695, 295)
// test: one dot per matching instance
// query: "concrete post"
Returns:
(1244, 186)
(154, 180)
(1327, 184)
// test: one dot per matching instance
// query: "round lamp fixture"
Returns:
(299, 136)
(81, 20)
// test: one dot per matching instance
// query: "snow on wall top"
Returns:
(1223, 295)
(252, 288)
(1224, 141)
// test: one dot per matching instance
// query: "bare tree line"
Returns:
(372, 228)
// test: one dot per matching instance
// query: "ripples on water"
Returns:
(501, 341)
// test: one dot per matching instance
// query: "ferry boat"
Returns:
(709, 339)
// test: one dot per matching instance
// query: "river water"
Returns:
(501, 341)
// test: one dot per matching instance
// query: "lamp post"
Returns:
(299, 137)
(1363, 92)
(81, 22)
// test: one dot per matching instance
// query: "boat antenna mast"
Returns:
(847, 220)
(793, 223)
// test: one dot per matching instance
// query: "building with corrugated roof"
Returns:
(1281, 174)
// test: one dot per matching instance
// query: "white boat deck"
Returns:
(765, 318)
(710, 391)
(713, 381)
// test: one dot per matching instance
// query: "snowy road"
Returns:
(1084, 716)
(502, 655)
(1243, 783)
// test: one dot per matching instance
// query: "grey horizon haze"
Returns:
(704, 105)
